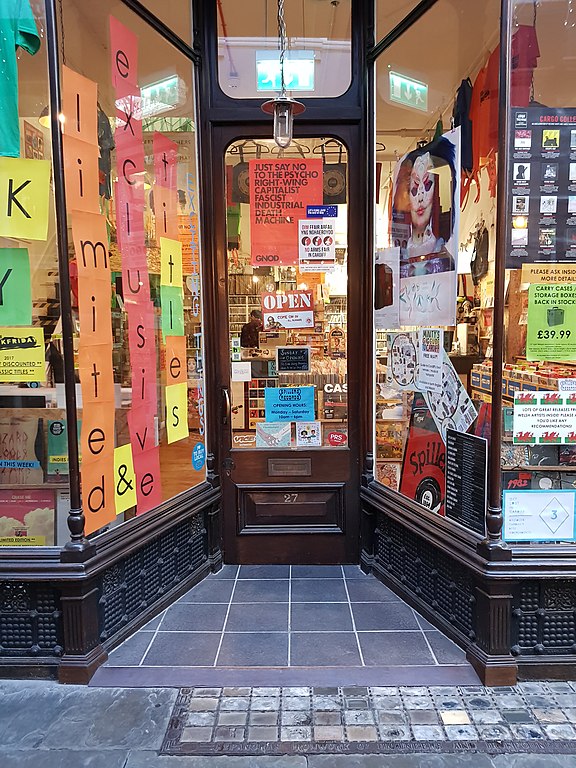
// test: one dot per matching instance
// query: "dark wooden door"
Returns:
(288, 498)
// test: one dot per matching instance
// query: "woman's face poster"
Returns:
(425, 223)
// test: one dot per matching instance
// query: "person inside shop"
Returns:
(250, 330)
(418, 190)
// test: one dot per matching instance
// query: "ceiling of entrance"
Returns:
(450, 42)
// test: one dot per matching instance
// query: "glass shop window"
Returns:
(33, 447)
(318, 49)
(135, 263)
(435, 210)
(539, 441)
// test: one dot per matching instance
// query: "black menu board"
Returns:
(466, 473)
(542, 205)
(293, 359)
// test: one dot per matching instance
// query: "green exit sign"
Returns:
(408, 92)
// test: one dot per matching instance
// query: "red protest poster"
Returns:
(280, 190)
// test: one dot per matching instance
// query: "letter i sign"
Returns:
(24, 196)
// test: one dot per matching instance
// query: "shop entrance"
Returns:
(289, 454)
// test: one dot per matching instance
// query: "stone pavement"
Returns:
(53, 726)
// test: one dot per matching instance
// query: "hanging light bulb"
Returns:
(282, 107)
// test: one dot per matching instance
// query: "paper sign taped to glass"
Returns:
(425, 224)
(22, 354)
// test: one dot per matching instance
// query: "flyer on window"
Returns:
(425, 224)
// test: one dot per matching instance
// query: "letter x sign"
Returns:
(24, 198)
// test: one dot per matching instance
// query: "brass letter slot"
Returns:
(289, 467)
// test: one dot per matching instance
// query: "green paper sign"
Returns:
(172, 303)
(15, 291)
(551, 322)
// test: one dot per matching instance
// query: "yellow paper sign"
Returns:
(22, 354)
(170, 262)
(124, 479)
(177, 412)
(549, 274)
(24, 196)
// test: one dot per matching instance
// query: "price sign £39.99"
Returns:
(551, 322)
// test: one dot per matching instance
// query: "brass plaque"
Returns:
(289, 467)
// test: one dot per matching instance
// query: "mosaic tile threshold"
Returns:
(239, 720)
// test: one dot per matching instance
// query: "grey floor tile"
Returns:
(316, 572)
(189, 617)
(226, 572)
(424, 623)
(130, 653)
(254, 649)
(183, 649)
(444, 649)
(355, 572)
(65, 758)
(328, 616)
(261, 591)
(264, 572)
(210, 591)
(388, 648)
(153, 623)
(258, 617)
(325, 649)
(383, 616)
(318, 591)
(370, 590)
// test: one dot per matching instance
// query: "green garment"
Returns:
(17, 30)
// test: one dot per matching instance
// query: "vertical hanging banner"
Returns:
(90, 236)
(425, 225)
(280, 190)
(143, 451)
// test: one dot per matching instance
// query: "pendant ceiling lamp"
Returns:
(282, 107)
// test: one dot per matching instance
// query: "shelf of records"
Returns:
(519, 376)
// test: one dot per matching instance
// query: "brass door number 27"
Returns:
(290, 498)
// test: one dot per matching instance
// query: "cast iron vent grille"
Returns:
(131, 586)
(544, 619)
(431, 576)
(30, 621)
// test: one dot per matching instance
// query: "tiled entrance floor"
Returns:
(291, 625)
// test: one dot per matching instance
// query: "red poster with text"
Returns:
(280, 190)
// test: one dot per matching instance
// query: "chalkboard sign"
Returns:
(466, 474)
(293, 359)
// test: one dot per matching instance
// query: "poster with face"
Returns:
(425, 223)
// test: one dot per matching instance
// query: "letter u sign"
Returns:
(24, 196)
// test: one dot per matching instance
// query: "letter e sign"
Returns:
(24, 196)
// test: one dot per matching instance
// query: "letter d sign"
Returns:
(24, 198)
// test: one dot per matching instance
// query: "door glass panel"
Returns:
(318, 49)
(287, 294)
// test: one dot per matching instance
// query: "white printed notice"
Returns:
(316, 246)
(293, 309)
(430, 357)
(241, 371)
(451, 408)
(539, 515)
(544, 418)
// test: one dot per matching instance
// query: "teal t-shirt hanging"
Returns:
(17, 30)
